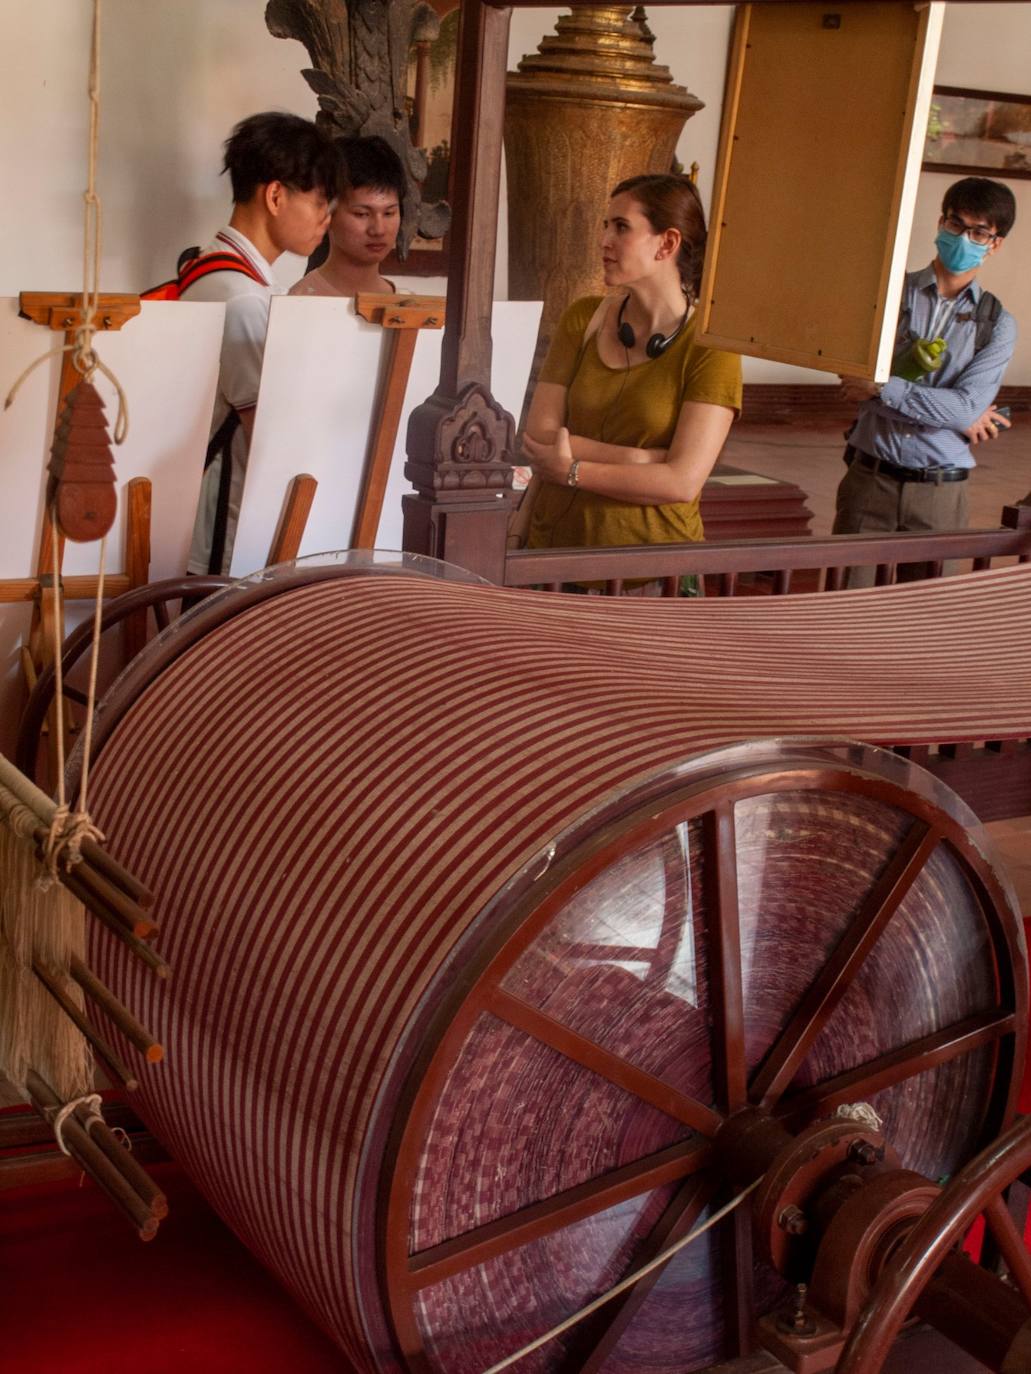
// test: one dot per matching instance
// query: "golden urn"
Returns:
(590, 107)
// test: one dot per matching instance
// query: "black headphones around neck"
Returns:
(657, 344)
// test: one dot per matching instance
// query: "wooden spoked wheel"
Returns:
(130, 611)
(793, 926)
(991, 1321)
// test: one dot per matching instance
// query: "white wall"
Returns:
(177, 74)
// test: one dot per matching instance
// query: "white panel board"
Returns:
(318, 389)
(167, 362)
(825, 115)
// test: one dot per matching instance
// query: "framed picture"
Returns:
(430, 99)
(980, 133)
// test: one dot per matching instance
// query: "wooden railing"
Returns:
(800, 564)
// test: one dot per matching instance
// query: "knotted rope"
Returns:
(92, 1101)
(67, 828)
(37, 929)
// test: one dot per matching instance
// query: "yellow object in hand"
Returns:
(922, 356)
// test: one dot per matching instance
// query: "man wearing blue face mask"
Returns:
(909, 451)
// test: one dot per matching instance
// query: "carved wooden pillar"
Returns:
(460, 439)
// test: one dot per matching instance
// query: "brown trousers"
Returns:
(872, 503)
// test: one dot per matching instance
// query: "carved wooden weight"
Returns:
(81, 486)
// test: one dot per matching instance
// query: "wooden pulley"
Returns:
(81, 487)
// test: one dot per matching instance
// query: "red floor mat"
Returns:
(79, 1294)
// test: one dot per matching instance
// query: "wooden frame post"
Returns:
(460, 440)
(63, 312)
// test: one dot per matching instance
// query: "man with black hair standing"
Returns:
(284, 174)
(908, 453)
(365, 223)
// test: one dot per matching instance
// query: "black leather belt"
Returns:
(901, 474)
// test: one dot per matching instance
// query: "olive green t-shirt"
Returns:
(637, 407)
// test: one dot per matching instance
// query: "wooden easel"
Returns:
(404, 315)
(62, 312)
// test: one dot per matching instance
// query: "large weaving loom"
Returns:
(478, 943)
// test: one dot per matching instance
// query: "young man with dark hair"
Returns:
(284, 174)
(365, 224)
(908, 453)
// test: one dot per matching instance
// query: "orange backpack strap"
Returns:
(196, 268)
(166, 291)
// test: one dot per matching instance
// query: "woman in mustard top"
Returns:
(630, 414)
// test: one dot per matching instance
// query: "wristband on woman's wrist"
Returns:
(573, 475)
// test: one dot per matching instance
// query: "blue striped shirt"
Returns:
(921, 424)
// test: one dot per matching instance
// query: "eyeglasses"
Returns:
(976, 233)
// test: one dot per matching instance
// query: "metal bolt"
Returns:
(798, 1316)
(863, 1152)
(68, 322)
(793, 1220)
(795, 1320)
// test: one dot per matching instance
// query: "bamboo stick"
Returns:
(37, 801)
(95, 1162)
(111, 868)
(122, 1158)
(103, 893)
(101, 1046)
(116, 926)
(26, 791)
(116, 1011)
(132, 916)
(92, 887)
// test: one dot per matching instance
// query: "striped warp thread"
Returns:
(327, 789)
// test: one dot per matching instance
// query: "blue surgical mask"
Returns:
(957, 253)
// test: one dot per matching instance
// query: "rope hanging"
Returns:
(624, 1284)
(51, 862)
(84, 356)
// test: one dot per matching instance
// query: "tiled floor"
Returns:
(812, 458)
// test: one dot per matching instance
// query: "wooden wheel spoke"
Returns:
(897, 1065)
(837, 975)
(574, 1204)
(676, 905)
(614, 1318)
(1011, 1245)
(726, 997)
(738, 1283)
(603, 1062)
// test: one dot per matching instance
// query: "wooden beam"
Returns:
(476, 143)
